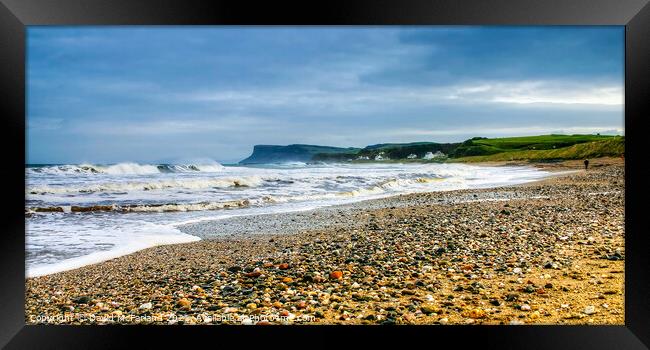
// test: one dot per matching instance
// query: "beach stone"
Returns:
(227, 289)
(529, 289)
(512, 297)
(589, 310)
(283, 266)
(184, 304)
(146, 306)
(81, 300)
(429, 308)
(234, 269)
(475, 313)
(336, 275)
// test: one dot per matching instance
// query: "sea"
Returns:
(80, 214)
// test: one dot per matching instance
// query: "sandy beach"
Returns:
(547, 252)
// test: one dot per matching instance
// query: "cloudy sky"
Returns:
(161, 94)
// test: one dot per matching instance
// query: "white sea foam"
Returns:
(203, 183)
(127, 168)
(132, 244)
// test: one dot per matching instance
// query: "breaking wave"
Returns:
(119, 187)
(125, 169)
(391, 185)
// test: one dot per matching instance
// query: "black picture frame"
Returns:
(15, 15)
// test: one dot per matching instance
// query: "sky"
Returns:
(171, 94)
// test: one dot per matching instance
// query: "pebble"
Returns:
(476, 313)
(336, 275)
(589, 310)
(429, 308)
(184, 304)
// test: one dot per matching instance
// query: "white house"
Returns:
(412, 156)
(431, 155)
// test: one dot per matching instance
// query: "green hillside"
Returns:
(609, 147)
(480, 146)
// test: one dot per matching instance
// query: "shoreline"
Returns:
(155, 289)
(241, 225)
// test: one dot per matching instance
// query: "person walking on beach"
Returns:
(586, 163)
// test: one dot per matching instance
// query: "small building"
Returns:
(363, 158)
(431, 155)
(412, 156)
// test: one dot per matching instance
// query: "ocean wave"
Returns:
(128, 168)
(150, 208)
(393, 185)
(119, 187)
(125, 169)
(389, 185)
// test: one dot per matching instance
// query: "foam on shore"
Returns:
(174, 236)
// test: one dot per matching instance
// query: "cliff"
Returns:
(263, 154)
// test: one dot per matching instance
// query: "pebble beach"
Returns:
(546, 252)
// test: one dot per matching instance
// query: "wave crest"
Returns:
(193, 184)
(127, 168)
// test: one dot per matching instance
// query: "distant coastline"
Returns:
(478, 149)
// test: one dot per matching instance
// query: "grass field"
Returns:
(541, 148)
(484, 146)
